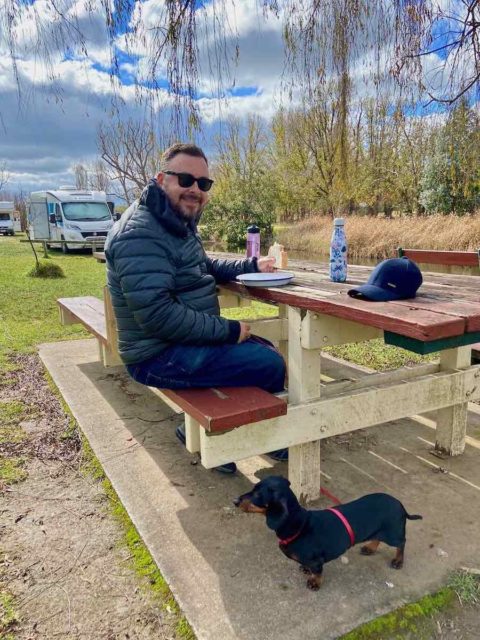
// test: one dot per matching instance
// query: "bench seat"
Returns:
(86, 310)
(224, 408)
(216, 410)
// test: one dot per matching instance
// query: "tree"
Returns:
(244, 191)
(4, 175)
(322, 39)
(130, 152)
(451, 179)
(81, 176)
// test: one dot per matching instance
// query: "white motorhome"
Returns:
(7, 226)
(70, 214)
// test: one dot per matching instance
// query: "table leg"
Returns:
(303, 384)
(452, 421)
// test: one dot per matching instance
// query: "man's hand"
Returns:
(244, 332)
(266, 265)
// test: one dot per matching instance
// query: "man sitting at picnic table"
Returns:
(163, 290)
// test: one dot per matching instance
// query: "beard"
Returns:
(186, 213)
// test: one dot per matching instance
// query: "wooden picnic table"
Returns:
(314, 313)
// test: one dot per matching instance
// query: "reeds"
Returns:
(370, 237)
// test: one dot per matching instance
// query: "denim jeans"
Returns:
(254, 362)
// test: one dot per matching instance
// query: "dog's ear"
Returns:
(277, 511)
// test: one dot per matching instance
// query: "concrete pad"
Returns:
(223, 566)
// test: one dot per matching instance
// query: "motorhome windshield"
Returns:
(86, 211)
(4, 216)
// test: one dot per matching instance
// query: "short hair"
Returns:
(176, 149)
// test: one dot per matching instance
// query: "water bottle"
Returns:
(253, 241)
(338, 252)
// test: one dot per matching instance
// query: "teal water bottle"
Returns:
(338, 252)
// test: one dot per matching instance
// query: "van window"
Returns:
(88, 211)
(58, 213)
(4, 216)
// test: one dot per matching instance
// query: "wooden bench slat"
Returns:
(224, 408)
(89, 311)
(448, 258)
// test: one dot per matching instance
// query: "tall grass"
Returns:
(370, 237)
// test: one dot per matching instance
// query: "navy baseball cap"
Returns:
(392, 279)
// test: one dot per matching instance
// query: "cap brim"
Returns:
(373, 293)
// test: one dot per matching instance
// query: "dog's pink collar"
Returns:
(349, 529)
(284, 541)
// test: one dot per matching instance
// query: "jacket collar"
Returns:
(156, 201)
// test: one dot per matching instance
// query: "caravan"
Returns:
(70, 214)
(7, 222)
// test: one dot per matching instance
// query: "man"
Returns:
(163, 289)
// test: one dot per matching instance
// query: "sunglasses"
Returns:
(186, 180)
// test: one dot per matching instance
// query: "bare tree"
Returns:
(4, 175)
(99, 179)
(130, 152)
(81, 176)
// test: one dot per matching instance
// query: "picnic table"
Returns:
(444, 317)
(314, 313)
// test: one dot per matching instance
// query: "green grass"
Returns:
(466, 586)
(8, 615)
(31, 316)
(410, 621)
(11, 413)
(12, 470)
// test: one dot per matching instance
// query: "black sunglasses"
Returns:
(187, 180)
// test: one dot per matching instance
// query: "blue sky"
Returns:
(51, 125)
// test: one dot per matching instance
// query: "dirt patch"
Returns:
(62, 557)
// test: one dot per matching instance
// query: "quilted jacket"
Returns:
(162, 284)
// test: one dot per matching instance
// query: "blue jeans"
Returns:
(253, 363)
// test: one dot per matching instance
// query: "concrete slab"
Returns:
(224, 566)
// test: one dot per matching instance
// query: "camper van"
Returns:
(7, 226)
(70, 214)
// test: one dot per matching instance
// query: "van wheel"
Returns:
(65, 249)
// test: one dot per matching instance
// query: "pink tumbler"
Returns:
(253, 241)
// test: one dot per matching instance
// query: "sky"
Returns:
(49, 116)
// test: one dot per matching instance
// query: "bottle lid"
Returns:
(253, 229)
(338, 222)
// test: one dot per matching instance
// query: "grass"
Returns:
(372, 237)
(408, 621)
(8, 615)
(30, 317)
(466, 586)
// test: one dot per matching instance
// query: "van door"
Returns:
(38, 220)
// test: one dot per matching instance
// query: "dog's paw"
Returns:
(304, 569)
(314, 583)
(396, 564)
(366, 550)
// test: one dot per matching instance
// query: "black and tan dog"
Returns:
(315, 537)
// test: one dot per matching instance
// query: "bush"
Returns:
(228, 221)
(46, 270)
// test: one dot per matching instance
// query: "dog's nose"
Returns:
(236, 502)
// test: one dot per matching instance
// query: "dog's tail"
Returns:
(415, 516)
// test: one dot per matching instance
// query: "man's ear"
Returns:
(160, 178)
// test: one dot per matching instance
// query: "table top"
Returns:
(446, 305)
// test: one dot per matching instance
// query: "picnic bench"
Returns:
(314, 313)
(446, 258)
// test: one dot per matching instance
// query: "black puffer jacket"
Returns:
(162, 284)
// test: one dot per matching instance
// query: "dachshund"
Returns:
(318, 536)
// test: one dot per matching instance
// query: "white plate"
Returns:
(275, 279)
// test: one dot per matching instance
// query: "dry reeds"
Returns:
(370, 237)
